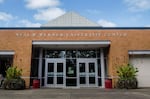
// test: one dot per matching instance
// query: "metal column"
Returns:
(102, 67)
(40, 66)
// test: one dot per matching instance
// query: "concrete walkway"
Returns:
(75, 94)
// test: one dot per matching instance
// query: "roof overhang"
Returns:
(139, 52)
(7, 52)
(71, 44)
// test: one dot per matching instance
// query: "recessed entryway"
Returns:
(6, 60)
(69, 64)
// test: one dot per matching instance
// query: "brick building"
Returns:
(72, 51)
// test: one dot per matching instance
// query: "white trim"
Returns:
(102, 67)
(139, 52)
(87, 61)
(7, 52)
(71, 43)
(55, 61)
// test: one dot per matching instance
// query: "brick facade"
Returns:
(122, 40)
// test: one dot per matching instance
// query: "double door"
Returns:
(85, 70)
(55, 73)
(87, 73)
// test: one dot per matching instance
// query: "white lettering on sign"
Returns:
(113, 34)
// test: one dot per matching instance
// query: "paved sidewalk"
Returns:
(86, 93)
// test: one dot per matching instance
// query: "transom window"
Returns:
(72, 53)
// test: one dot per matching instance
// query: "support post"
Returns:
(40, 66)
(102, 67)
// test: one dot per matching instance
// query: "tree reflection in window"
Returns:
(55, 54)
(71, 54)
(86, 53)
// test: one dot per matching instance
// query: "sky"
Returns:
(107, 13)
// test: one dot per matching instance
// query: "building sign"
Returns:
(113, 34)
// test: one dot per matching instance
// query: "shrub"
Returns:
(127, 77)
(13, 79)
(13, 73)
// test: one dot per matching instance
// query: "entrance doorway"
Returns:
(87, 73)
(59, 74)
(55, 73)
(5, 63)
(70, 67)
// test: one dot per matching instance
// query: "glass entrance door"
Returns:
(55, 73)
(87, 73)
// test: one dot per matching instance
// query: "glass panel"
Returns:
(55, 54)
(86, 53)
(35, 52)
(43, 67)
(61, 54)
(59, 67)
(105, 50)
(81, 67)
(71, 82)
(98, 53)
(70, 54)
(71, 72)
(59, 80)
(50, 67)
(43, 80)
(99, 82)
(99, 68)
(50, 80)
(91, 80)
(43, 72)
(106, 69)
(5, 63)
(91, 67)
(44, 53)
(71, 67)
(82, 80)
(34, 68)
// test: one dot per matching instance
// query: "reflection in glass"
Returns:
(73, 53)
(98, 53)
(59, 80)
(82, 67)
(43, 72)
(99, 81)
(82, 80)
(50, 67)
(55, 54)
(35, 52)
(34, 68)
(70, 54)
(71, 67)
(91, 80)
(106, 68)
(86, 53)
(71, 82)
(50, 80)
(71, 57)
(91, 67)
(59, 67)
(99, 68)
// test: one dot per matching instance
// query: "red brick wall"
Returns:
(121, 41)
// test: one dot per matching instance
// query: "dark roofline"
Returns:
(69, 28)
